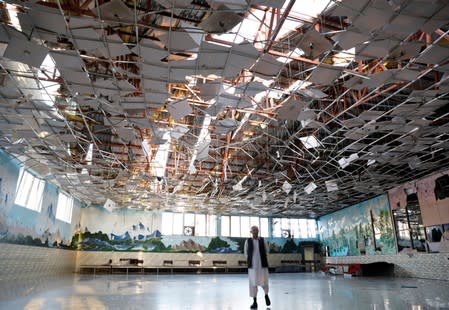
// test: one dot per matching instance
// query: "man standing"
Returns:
(256, 251)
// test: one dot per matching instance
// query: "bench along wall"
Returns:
(178, 259)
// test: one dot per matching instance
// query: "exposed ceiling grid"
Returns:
(286, 108)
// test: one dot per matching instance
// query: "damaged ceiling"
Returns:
(286, 108)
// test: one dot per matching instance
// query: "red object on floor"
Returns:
(354, 268)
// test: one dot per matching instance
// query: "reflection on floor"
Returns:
(222, 292)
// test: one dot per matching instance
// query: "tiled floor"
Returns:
(222, 292)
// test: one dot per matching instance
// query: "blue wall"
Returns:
(347, 231)
(23, 226)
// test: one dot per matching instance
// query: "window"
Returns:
(294, 228)
(225, 225)
(200, 224)
(263, 227)
(311, 229)
(244, 227)
(276, 227)
(167, 223)
(175, 224)
(211, 225)
(64, 208)
(254, 221)
(302, 229)
(29, 191)
(178, 225)
(235, 226)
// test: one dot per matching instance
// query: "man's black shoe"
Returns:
(254, 305)
(267, 300)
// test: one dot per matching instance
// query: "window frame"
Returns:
(66, 214)
(30, 187)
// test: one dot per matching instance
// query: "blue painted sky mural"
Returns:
(364, 228)
(24, 226)
(138, 230)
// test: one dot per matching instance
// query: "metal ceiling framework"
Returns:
(263, 108)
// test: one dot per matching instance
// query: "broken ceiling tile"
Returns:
(435, 19)
(372, 19)
(109, 205)
(312, 93)
(306, 115)
(353, 122)
(414, 162)
(26, 52)
(211, 89)
(224, 126)
(179, 131)
(331, 185)
(179, 109)
(250, 89)
(115, 12)
(242, 56)
(403, 25)
(405, 109)
(215, 109)
(212, 55)
(310, 188)
(434, 54)
(83, 22)
(286, 187)
(141, 122)
(291, 109)
(49, 19)
(406, 50)
(278, 4)
(77, 77)
(422, 95)
(356, 82)
(178, 4)
(325, 74)
(370, 115)
(220, 21)
(88, 39)
(203, 150)
(150, 51)
(310, 142)
(374, 49)
(346, 8)
(391, 76)
(154, 72)
(125, 86)
(68, 138)
(67, 60)
(344, 162)
(355, 133)
(116, 47)
(127, 134)
(350, 38)
(313, 44)
(267, 66)
(187, 39)
(155, 85)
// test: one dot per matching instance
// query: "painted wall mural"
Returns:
(137, 230)
(24, 226)
(433, 197)
(362, 229)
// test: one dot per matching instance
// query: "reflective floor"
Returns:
(222, 292)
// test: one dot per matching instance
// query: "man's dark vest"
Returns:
(263, 253)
